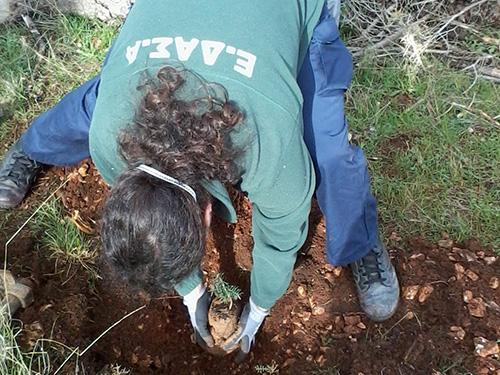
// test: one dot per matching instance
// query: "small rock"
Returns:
(352, 320)
(394, 237)
(318, 310)
(466, 322)
(447, 243)
(481, 254)
(493, 283)
(337, 271)
(82, 171)
(320, 360)
(361, 325)
(410, 315)
(477, 307)
(309, 358)
(46, 307)
(457, 333)
(328, 267)
(410, 292)
(301, 291)
(425, 293)
(460, 271)
(490, 260)
(485, 348)
(467, 296)
(418, 256)
(330, 277)
(468, 255)
(338, 322)
(305, 316)
(472, 275)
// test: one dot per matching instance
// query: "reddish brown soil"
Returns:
(316, 327)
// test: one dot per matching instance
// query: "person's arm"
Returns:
(280, 213)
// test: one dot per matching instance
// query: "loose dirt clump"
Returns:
(451, 321)
(223, 321)
(224, 313)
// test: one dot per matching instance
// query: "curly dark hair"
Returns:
(153, 232)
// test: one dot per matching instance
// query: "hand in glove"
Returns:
(250, 320)
(197, 303)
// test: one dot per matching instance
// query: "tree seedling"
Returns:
(223, 291)
(268, 369)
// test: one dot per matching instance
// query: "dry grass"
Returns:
(415, 28)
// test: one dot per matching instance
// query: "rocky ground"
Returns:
(448, 321)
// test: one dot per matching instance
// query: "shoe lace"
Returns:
(18, 167)
(371, 268)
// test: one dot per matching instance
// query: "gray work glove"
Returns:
(251, 319)
(197, 303)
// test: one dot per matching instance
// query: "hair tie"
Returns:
(156, 173)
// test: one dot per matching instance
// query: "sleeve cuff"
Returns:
(189, 283)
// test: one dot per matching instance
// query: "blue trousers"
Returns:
(60, 137)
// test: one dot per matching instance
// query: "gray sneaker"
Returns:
(377, 284)
(17, 174)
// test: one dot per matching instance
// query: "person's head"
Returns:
(154, 232)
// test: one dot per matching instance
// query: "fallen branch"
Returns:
(490, 73)
(40, 43)
(456, 15)
(380, 45)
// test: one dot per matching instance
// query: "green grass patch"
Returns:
(15, 361)
(434, 148)
(36, 72)
(62, 237)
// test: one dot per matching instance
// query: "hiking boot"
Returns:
(17, 174)
(377, 284)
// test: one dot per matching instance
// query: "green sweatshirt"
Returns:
(254, 49)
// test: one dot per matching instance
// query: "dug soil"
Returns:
(449, 301)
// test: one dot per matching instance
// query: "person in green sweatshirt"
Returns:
(192, 98)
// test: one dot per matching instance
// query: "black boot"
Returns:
(17, 173)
